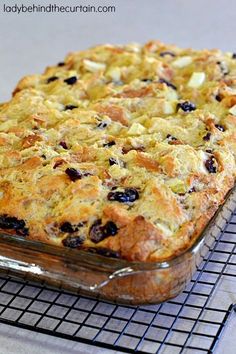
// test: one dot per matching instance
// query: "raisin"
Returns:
(22, 232)
(95, 232)
(234, 56)
(129, 195)
(163, 54)
(211, 165)
(171, 137)
(61, 63)
(147, 80)
(104, 252)
(110, 143)
(51, 79)
(73, 173)
(191, 190)
(44, 157)
(87, 174)
(98, 231)
(113, 161)
(223, 67)
(11, 222)
(63, 144)
(67, 227)
(186, 106)
(70, 107)
(71, 80)
(102, 125)
(220, 127)
(218, 98)
(73, 241)
(169, 84)
(207, 136)
(110, 228)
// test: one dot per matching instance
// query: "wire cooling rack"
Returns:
(190, 323)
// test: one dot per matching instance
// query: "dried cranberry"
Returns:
(110, 143)
(63, 144)
(129, 195)
(11, 222)
(98, 231)
(207, 136)
(71, 80)
(163, 81)
(73, 173)
(186, 106)
(51, 79)
(73, 241)
(104, 252)
(61, 63)
(70, 107)
(163, 54)
(113, 161)
(211, 165)
(220, 127)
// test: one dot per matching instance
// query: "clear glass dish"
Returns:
(109, 278)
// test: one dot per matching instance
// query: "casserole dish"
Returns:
(121, 151)
(115, 280)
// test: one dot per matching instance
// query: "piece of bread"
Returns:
(126, 151)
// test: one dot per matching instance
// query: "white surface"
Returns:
(29, 42)
(17, 341)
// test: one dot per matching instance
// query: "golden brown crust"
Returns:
(116, 113)
(128, 148)
(136, 240)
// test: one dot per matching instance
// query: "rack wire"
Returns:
(192, 322)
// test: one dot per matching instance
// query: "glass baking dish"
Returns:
(115, 280)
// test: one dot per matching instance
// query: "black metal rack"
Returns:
(192, 322)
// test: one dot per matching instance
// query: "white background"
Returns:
(29, 42)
